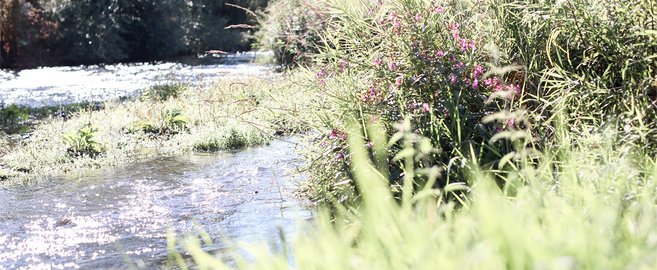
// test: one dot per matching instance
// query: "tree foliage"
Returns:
(106, 31)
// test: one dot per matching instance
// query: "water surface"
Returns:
(117, 218)
(53, 86)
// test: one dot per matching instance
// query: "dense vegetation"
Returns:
(70, 32)
(487, 83)
(470, 134)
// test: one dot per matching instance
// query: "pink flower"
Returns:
(418, 18)
(463, 44)
(510, 123)
(439, 10)
(370, 95)
(515, 88)
(398, 81)
(492, 82)
(373, 119)
(478, 71)
(440, 54)
(425, 107)
(397, 26)
(459, 65)
(392, 16)
(377, 61)
(392, 65)
(456, 35)
(321, 74)
(343, 64)
(452, 78)
(337, 134)
(475, 83)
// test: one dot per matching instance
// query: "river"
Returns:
(53, 86)
(117, 218)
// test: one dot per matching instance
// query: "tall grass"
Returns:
(587, 207)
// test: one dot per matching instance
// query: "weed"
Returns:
(163, 92)
(83, 142)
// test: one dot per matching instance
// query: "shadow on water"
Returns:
(98, 220)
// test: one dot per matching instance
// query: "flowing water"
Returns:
(53, 86)
(116, 219)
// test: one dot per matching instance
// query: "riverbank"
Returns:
(168, 119)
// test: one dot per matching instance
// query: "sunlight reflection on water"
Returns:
(52, 86)
(99, 220)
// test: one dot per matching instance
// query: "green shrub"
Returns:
(12, 115)
(418, 60)
(175, 121)
(163, 92)
(83, 142)
(171, 122)
(522, 66)
(290, 29)
(593, 61)
(231, 139)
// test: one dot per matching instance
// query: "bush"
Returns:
(83, 142)
(12, 115)
(172, 122)
(290, 29)
(486, 82)
(419, 61)
(163, 92)
(590, 61)
(73, 32)
(231, 139)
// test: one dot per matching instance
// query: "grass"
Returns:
(230, 114)
(586, 207)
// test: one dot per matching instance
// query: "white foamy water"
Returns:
(53, 86)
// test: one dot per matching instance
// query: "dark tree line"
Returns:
(72, 32)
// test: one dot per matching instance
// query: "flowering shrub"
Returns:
(416, 60)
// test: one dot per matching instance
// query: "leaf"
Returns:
(406, 153)
(458, 186)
